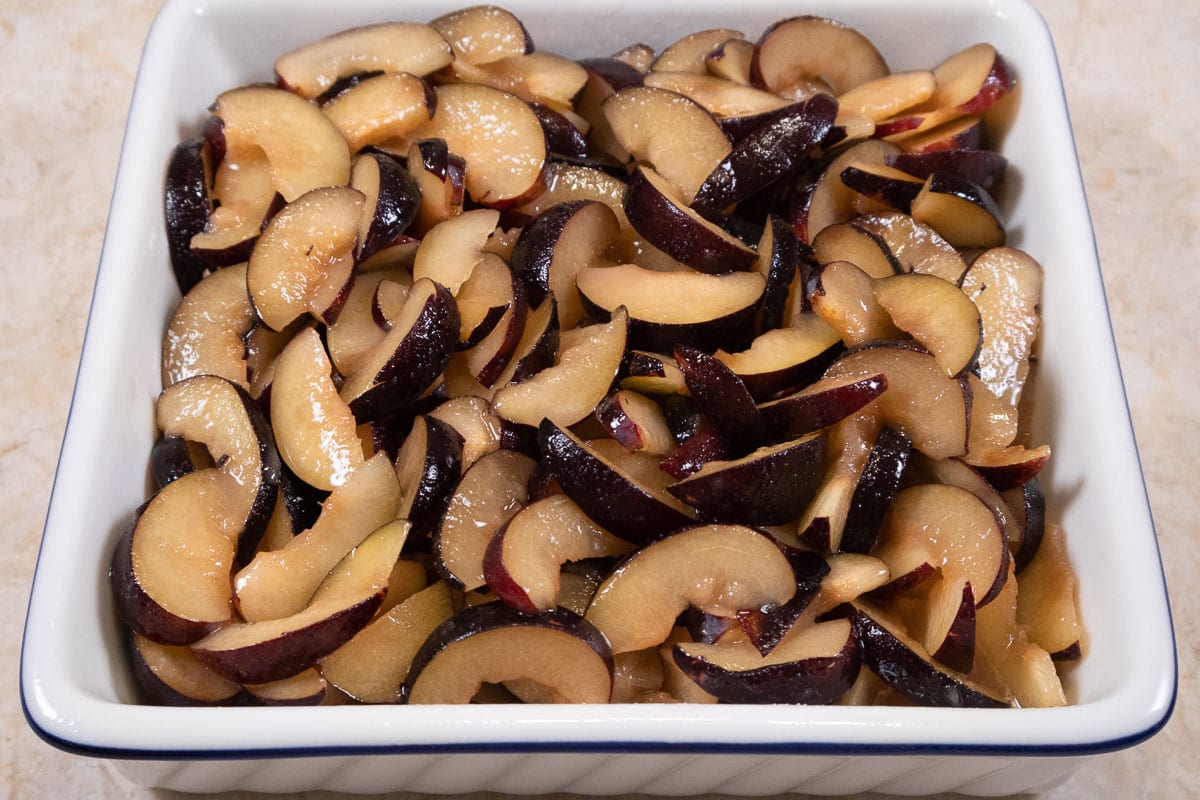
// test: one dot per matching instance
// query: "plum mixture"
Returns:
(685, 375)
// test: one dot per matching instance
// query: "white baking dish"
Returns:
(75, 685)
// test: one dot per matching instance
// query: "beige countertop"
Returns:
(66, 73)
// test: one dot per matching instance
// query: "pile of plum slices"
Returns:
(679, 376)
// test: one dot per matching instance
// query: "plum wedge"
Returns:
(814, 666)
(311, 69)
(305, 149)
(304, 260)
(686, 158)
(523, 559)
(666, 308)
(815, 49)
(406, 362)
(171, 675)
(769, 486)
(222, 417)
(930, 408)
(491, 492)
(278, 583)
(493, 643)
(607, 493)
(170, 569)
(558, 243)
(372, 666)
(314, 428)
(656, 210)
(949, 529)
(721, 569)
(905, 665)
(571, 388)
(498, 136)
(345, 601)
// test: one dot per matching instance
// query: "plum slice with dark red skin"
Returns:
(169, 675)
(278, 583)
(807, 47)
(523, 559)
(783, 359)
(1029, 504)
(876, 488)
(489, 494)
(441, 177)
(392, 199)
(410, 358)
(1010, 467)
(960, 210)
(315, 431)
(381, 109)
(984, 167)
(685, 158)
(305, 149)
(819, 405)
(884, 184)
(949, 625)
(778, 260)
(170, 568)
(186, 206)
(669, 308)
(499, 137)
(563, 139)
(722, 396)
(307, 688)
(355, 668)
(614, 499)
(493, 643)
(317, 67)
(172, 457)
(555, 245)
(636, 421)
(948, 528)
(347, 599)
(569, 390)
(902, 663)
(487, 359)
(769, 153)
(960, 134)
(814, 666)
(720, 569)
(769, 486)
(656, 211)
(429, 465)
(705, 444)
(865, 249)
(304, 260)
(221, 416)
(915, 381)
(766, 627)
(482, 34)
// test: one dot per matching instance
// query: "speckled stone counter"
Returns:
(66, 72)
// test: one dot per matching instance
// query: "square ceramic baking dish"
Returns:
(75, 685)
